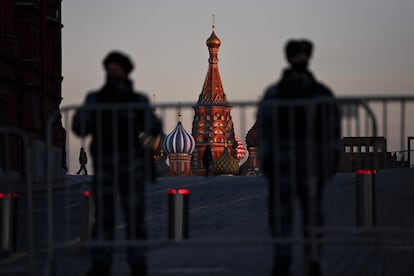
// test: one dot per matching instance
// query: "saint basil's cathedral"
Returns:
(212, 125)
(30, 76)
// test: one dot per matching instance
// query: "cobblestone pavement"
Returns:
(228, 230)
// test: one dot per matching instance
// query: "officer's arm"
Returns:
(151, 124)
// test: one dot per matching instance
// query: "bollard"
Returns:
(87, 216)
(365, 199)
(178, 214)
(8, 216)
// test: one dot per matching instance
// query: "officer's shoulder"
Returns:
(91, 97)
(324, 90)
(140, 97)
(271, 92)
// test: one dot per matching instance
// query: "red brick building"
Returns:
(30, 78)
(212, 124)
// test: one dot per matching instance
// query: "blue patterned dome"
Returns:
(179, 141)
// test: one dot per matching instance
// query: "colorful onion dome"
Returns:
(226, 164)
(179, 140)
(240, 149)
(251, 137)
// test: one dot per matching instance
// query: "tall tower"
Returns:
(212, 124)
(31, 82)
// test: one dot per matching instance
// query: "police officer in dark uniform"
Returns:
(299, 146)
(121, 162)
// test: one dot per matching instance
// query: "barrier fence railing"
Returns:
(16, 202)
(371, 128)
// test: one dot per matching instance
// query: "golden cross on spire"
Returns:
(212, 20)
(179, 111)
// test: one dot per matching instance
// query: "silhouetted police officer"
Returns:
(121, 161)
(299, 142)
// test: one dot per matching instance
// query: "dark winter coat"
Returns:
(116, 130)
(299, 113)
(83, 159)
(207, 157)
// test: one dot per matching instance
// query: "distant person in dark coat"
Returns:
(207, 159)
(299, 144)
(121, 161)
(83, 160)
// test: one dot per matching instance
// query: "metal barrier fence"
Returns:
(16, 203)
(377, 117)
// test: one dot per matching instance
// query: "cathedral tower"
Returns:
(212, 124)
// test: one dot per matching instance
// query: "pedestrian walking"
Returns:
(116, 116)
(207, 159)
(83, 160)
(299, 144)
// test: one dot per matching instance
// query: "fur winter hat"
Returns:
(119, 58)
(298, 46)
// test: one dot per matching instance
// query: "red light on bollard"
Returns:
(178, 191)
(8, 222)
(172, 191)
(365, 196)
(178, 213)
(87, 215)
(8, 195)
(366, 172)
(184, 191)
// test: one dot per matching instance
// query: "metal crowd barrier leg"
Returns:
(178, 214)
(365, 199)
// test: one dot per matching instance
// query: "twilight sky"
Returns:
(362, 47)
